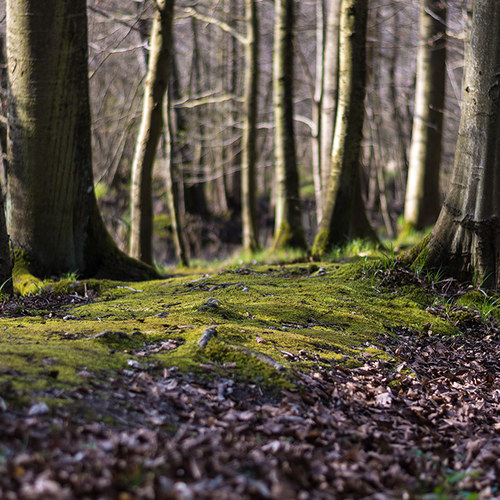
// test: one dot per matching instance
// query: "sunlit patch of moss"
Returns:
(24, 282)
(267, 316)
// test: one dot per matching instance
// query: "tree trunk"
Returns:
(5, 257)
(52, 212)
(344, 217)
(173, 187)
(249, 150)
(141, 202)
(316, 107)
(330, 93)
(288, 229)
(233, 176)
(422, 202)
(195, 198)
(466, 238)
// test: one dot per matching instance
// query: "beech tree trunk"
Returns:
(141, 202)
(330, 93)
(344, 217)
(52, 213)
(316, 106)
(249, 151)
(466, 238)
(423, 202)
(288, 229)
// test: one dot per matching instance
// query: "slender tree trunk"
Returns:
(141, 203)
(173, 188)
(344, 217)
(400, 121)
(233, 176)
(422, 202)
(194, 193)
(5, 256)
(466, 238)
(288, 230)
(317, 104)
(52, 213)
(330, 93)
(249, 150)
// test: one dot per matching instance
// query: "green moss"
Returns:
(269, 319)
(320, 245)
(23, 280)
(289, 237)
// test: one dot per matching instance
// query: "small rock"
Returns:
(210, 304)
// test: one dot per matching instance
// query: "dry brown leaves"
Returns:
(427, 427)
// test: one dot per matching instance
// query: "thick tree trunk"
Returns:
(288, 231)
(249, 150)
(141, 203)
(344, 217)
(466, 238)
(422, 202)
(52, 212)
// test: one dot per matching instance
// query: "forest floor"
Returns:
(360, 380)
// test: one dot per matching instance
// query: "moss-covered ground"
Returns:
(264, 321)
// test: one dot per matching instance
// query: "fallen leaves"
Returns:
(428, 425)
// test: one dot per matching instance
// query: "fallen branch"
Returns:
(207, 335)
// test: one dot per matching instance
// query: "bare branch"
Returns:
(190, 12)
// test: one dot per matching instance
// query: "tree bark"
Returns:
(288, 229)
(422, 203)
(141, 203)
(466, 238)
(52, 213)
(172, 186)
(344, 217)
(330, 93)
(5, 257)
(316, 107)
(249, 150)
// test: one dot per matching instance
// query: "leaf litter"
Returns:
(426, 425)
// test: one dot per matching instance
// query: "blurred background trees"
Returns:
(208, 93)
